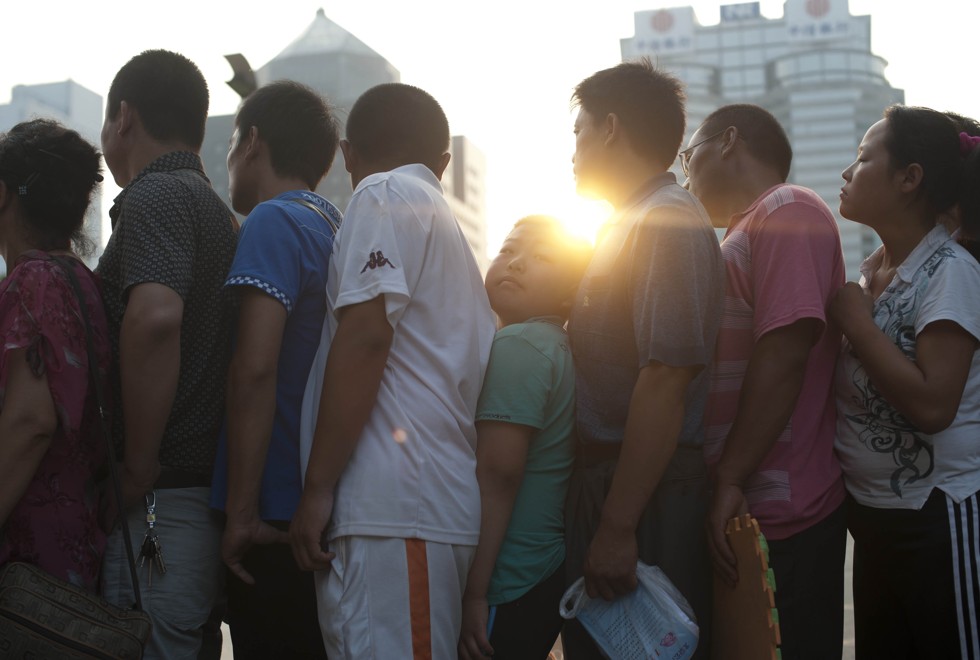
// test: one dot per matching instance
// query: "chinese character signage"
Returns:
(740, 12)
(664, 31)
(808, 20)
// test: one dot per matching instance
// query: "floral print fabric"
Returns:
(55, 524)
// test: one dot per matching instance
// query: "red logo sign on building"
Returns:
(662, 21)
(817, 8)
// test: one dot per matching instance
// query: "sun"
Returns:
(583, 217)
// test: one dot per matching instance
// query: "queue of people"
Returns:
(350, 445)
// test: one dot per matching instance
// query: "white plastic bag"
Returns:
(652, 622)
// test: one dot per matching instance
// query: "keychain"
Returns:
(151, 542)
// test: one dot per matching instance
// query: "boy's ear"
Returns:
(350, 158)
(252, 143)
(442, 165)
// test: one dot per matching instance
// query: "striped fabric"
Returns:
(964, 527)
(783, 264)
(418, 599)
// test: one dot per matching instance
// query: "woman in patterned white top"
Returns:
(908, 391)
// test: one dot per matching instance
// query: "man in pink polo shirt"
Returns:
(770, 419)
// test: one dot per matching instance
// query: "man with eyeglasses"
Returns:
(642, 330)
(771, 417)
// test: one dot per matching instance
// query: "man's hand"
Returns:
(239, 536)
(656, 414)
(473, 642)
(610, 564)
(308, 527)
(727, 503)
(351, 380)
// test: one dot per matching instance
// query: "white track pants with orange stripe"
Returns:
(392, 598)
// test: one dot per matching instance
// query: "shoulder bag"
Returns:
(42, 617)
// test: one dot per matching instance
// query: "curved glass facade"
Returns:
(828, 66)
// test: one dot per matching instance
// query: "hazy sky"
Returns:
(503, 70)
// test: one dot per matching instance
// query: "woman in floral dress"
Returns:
(52, 450)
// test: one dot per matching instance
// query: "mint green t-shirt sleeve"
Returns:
(517, 384)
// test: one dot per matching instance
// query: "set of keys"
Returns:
(151, 542)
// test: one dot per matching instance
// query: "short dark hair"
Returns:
(763, 135)
(398, 124)
(169, 93)
(648, 101)
(296, 124)
(929, 138)
(52, 171)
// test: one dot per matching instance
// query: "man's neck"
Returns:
(746, 191)
(629, 180)
(273, 186)
(149, 151)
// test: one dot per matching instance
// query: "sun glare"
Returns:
(583, 217)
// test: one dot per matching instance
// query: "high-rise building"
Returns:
(77, 108)
(463, 182)
(813, 69)
(340, 66)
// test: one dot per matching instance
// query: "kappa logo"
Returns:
(377, 260)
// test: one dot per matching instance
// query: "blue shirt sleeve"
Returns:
(266, 258)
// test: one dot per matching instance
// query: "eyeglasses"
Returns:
(685, 155)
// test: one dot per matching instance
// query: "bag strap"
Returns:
(310, 205)
(93, 369)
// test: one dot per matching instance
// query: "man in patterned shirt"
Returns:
(163, 270)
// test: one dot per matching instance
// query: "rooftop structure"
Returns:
(340, 66)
